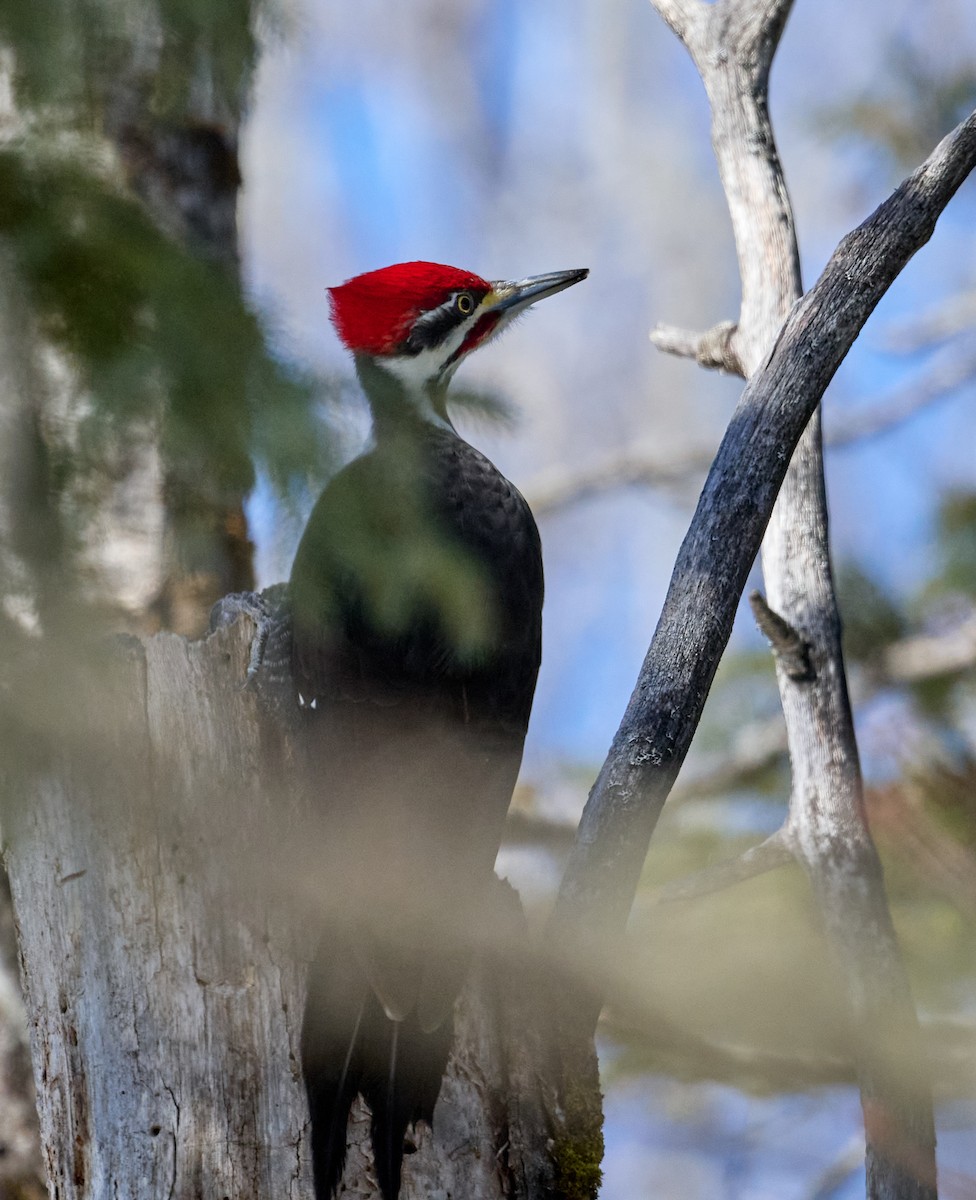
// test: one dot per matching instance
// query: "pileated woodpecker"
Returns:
(417, 617)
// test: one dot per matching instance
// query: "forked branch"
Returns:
(723, 539)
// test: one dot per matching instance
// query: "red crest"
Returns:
(373, 313)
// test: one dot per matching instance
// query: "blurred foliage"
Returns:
(118, 177)
(69, 53)
(917, 106)
(956, 545)
(143, 319)
(871, 620)
(952, 793)
(749, 993)
(934, 696)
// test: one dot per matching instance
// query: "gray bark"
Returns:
(160, 968)
(724, 537)
(732, 44)
(827, 830)
(164, 881)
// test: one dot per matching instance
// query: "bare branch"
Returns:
(604, 868)
(687, 1054)
(926, 656)
(789, 647)
(754, 747)
(712, 349)
(733, 52)
(751, 31)
(951, 370)
(715, 349)
(775, 851)
(843, 1166)
(681, 15)
(957, 315)
(558, 491)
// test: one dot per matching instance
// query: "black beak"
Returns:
(506, 297)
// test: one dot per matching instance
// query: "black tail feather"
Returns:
(332, 1061)
(402, 1072)
(350, 1046)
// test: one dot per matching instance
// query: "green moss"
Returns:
(578, 1150)
(578, 1172)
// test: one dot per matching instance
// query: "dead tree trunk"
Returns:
(164, 892)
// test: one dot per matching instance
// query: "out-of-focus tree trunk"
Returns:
(181, 161)
(153, 541)
(161, 961)
(142, 541)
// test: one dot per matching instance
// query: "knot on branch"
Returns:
(714, 349)
(791, 650)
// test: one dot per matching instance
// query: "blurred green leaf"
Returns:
(915, 108)
(956, 534)
(71, 53)
(153, 330)
(870, 618)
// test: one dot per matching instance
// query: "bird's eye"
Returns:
(464, 304)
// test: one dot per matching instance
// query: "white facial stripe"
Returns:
(416, 372)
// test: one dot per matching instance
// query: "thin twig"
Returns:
(775, 851)
(952, 369)
(922, 331)
(557, 491)
(927, 656)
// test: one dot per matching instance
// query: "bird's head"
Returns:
(416, 321)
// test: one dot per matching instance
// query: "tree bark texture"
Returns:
(732, 44)
(725, 534)
(164, 896)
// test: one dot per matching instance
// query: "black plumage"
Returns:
(416, 596)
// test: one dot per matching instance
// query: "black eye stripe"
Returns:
(432, 327)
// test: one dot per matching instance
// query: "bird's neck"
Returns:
(401, 407)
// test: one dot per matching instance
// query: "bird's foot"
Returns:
(269, 662)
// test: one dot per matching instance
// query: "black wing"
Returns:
(417, 596)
